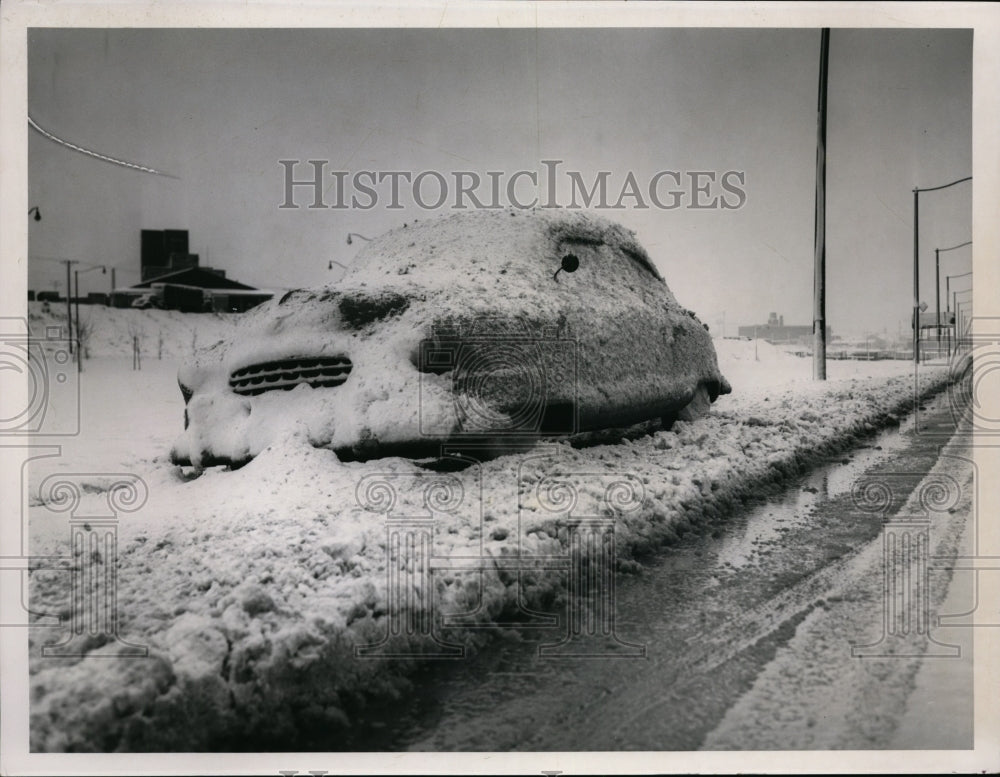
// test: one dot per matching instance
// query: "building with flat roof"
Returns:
(776, 332)
(163, 251)
(172, 279)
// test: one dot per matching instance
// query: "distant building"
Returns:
(164, 251)
(172, 279)
(193, 290)
(776, 332)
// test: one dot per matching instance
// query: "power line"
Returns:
(102, 157)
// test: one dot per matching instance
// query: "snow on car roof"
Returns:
(434, 251)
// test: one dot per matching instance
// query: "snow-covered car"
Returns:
(489, 325)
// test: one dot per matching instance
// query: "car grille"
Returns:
(286, 374)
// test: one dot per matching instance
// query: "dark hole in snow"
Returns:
(559, 418)
(358, 311)
(445, 464)
(372, 449)
(570, 263)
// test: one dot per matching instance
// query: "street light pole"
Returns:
(916, 261)
(69, 303)
(962, 321)
(947, 282)
(76, 295)
(76, 279)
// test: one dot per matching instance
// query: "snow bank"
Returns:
(252, 588)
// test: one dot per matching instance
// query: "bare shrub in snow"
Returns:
(136, 334)
(84, 333)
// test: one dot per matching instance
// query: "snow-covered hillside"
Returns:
(166, 334)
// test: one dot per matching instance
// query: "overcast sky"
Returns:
(219, 108)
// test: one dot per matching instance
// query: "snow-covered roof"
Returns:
(196, 276)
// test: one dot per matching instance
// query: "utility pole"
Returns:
(69, 308)
(916, 276)
(76, 295)
(76, 279)
(819, 231)
(937, 297)
(947, 315)
(69, 303)
(954, 300)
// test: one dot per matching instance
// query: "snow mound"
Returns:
(254, 588)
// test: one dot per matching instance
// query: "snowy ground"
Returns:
(252, 587)
(163, 334)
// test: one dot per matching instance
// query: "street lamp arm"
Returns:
(960, 245)
(945, 186)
